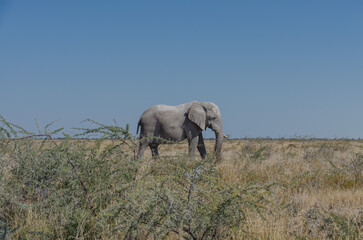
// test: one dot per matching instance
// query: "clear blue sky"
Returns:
(275, 68)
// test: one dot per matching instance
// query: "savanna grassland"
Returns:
(262, 189)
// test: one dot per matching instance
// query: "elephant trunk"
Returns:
(218, 146)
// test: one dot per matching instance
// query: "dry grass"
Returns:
(317, 186)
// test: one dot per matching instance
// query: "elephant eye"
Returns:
(211, 118)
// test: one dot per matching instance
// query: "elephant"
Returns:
(161, 123)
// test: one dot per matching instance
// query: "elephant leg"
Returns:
(154, 150)
(193, 143)
(201, 146)
(142, 147)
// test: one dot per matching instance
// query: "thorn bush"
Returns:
(69, 189)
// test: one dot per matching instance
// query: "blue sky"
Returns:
(275, 68)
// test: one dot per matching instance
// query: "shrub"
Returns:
(68, 189)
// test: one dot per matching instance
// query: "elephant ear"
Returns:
(197, 115)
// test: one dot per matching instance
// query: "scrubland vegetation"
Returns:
(94, 189)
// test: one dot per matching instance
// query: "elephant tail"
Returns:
(137, 130)
(136, 140)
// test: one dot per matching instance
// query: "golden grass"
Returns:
(319, 186)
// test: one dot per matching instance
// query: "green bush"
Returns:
(69, 189)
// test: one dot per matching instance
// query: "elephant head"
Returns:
(207, 114)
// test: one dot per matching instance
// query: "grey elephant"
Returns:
(176, 123)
